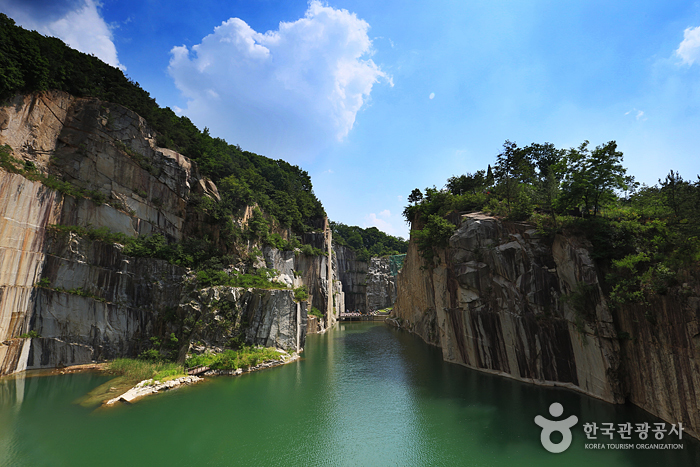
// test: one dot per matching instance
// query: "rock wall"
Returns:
(263, 317)
(504, 300)
(353, 276)
(93, 302)
(660, 355)
(296, 269)
(381, 285)
(367, 286)
(26, 208)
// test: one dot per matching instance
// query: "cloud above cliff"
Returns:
(285, 93)
(78, 23)
(385, 221)
(689, 48)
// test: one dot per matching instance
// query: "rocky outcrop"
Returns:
(505, 300)
(85, 298)
(149, 386)
(260, 317)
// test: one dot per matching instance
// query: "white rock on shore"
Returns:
(149, 386)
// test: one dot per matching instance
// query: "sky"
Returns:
(374, 99)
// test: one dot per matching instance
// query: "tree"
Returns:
(415, 196)
(467, 183)
(513, 166)
(591, 178)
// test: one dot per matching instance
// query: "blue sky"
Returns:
(374, 99)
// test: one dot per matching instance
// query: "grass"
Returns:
(234, 359)
(139, 370)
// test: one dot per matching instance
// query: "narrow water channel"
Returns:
(364, 394)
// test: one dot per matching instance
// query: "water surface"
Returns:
(364, 394)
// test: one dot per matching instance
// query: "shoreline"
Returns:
(149, 386)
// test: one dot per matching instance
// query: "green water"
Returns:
(364, 394)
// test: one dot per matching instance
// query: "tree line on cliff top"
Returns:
(646, 239)
(30, 62)
(369, 242)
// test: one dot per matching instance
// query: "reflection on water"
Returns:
(364, 394)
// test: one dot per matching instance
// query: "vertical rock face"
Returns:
(496, 303)
(93, 301)
(26, 208)
(298, 269)
(661, 355)
(367, 286)
(504, 300)
(264, 317)
(353, 275)
(381, 285)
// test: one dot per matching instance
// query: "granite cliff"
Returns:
(503, 299)
(82, 299)
(367, 285)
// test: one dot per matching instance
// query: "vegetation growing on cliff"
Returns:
(28, 170)
(30, 62)
(646, 239)
(199, 255)
(370, 242)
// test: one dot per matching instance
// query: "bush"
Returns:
(316, 312)
(435, 234)
(30, 334)
(301, 294)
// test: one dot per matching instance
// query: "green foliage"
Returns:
(367, 243)
(591, 177)
(262, 279)
(435, 234)
(464, 184)
(29, 335)
(44, 282)
(301, 294)
(233, 359)
(308, 250)
(142, 369)
(316, 312)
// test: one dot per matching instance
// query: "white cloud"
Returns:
(689, 49)
(385, 213)
(283, 93)
(431, 96)
(639, 114)
(372, 220)
(77, 23)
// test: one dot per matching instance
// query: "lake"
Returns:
(363, 394)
